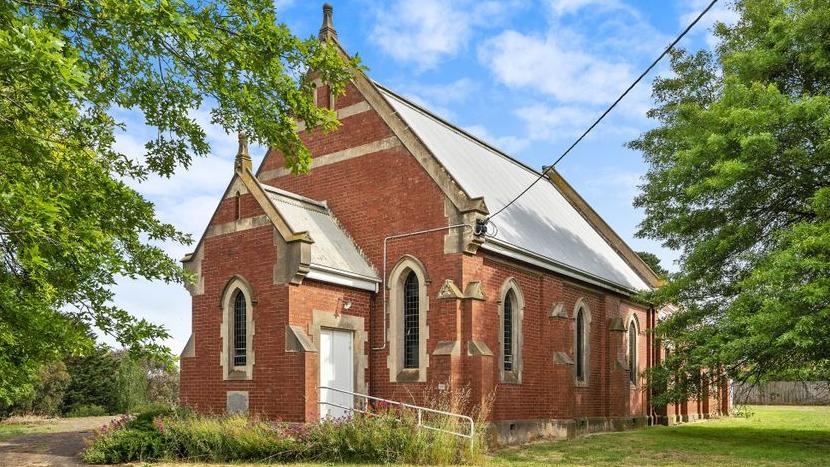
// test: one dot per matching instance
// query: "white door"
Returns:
(336, 371)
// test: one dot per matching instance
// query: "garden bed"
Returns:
(388, 436)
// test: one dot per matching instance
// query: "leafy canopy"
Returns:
(653, 262)
(69, 225)
(739, 181)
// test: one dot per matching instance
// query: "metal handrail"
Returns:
(419, 410)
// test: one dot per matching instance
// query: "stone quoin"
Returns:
(368, 272)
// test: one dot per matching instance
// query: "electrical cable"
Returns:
(607, 111)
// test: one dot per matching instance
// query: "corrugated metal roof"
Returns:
(542, 221)
(333, 248)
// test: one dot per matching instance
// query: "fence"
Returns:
(783, 393)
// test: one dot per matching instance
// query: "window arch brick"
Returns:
(408, 307)
(582, 342)
(632, 350)
(237, 355)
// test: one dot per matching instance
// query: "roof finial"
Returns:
(327, 29)
(243, 158)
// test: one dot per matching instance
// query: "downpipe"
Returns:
(479, 229)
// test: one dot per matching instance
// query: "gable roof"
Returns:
(543, 227)
(333, 252)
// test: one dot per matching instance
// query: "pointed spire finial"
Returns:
(243, 158)
(327, 29)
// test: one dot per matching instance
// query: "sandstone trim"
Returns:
(339, 156)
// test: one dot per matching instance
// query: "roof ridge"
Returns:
(458, 129)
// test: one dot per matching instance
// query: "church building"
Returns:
(376, 273)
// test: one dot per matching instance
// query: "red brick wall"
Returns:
(303, 301)
(374, 196)
(250, 254)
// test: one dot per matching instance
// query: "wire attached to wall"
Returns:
(607, 111)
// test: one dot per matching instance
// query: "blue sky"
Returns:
(527, 76)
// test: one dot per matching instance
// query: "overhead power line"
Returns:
(608, 110)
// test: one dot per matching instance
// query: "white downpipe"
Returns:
(383, 284)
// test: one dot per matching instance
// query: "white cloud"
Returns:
(509, 144)
(722, 12)
(565, 7)
(546, 64)
(443, 93)
(577, 66)
(426, 31)
(547, 122)
(439, 98)
(281, 5)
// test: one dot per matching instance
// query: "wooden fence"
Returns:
(783, 393)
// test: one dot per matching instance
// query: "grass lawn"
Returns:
(26, 425)
(773, 435)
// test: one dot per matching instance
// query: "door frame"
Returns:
(360, 337)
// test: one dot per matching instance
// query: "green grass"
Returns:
(10, 430)
(771, 436)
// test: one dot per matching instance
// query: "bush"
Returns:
(86, 410)
(389, 435)
(46, 397)
(125, 445)
(234, 438)
(93, 380)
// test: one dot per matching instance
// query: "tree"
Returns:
(94, 381)
(69, 225)
(654, 263)
(739, 182)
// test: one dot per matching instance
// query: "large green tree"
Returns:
(739, 181)
(69, 225)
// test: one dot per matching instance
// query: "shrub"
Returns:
(125, 445)
(93, 380)
(131, 383)
(86, 410)
(389, 435)
(46, 397)
(363, 438)
(233, 438)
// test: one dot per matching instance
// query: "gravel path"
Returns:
(58, 444)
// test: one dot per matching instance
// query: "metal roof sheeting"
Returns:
(542, 222)
(333, 249)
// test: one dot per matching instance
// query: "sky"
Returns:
(526, 76)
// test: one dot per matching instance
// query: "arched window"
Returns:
(632, 352)
(411, 321)
(237, 207)
(511, 310)
(408, 330)
(237, 331)
(507, 326)
(580, 344)
(240, 334)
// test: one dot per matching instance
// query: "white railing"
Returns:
(422, 423)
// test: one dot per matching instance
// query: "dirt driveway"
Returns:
(57, 443)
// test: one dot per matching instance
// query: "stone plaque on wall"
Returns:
(237, 402)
